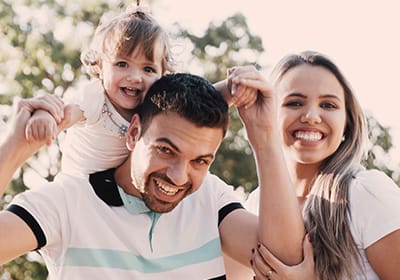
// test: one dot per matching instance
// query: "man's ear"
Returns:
(133, 133)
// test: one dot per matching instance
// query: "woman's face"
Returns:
(312, 113)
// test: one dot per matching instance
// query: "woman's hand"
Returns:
(266, 266)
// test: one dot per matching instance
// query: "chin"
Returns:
(159, 206)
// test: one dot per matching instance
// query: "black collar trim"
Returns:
(105, 187)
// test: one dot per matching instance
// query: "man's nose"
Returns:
(179, 173)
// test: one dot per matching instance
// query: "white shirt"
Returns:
(99, 232)
(94, 144)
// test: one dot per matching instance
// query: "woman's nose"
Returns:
(311, 115)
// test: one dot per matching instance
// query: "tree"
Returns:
(378, 156)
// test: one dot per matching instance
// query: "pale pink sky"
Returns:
(361, 36)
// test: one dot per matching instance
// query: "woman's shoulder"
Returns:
(373, 180)
(373, 193)
(374, 200)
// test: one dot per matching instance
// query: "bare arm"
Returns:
(238, 95)
(16, 237)
(265, 263)
(384, 256)
(280, 226)
(15, 150)
(238, 233)
(42, 126)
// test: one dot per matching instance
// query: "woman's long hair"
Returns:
(326, 211)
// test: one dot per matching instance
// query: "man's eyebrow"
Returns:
(169, 142)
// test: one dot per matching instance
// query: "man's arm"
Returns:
(238, 95)
(280, 226)
(16, 238)
(14, 149)
(42, 126)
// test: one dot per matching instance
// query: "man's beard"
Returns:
(155, 204)
(158, 206)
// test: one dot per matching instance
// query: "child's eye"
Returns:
(122, 64)
(149, 69)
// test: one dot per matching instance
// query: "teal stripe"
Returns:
(127, 260)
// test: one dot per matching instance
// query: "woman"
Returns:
(352, 215)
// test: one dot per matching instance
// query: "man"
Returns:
(160, 215)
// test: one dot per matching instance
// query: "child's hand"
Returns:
(41, 127)
(242, 95)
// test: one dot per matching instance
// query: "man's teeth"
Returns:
(308, 136)
(166, 189)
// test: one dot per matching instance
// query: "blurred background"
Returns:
(40, 43)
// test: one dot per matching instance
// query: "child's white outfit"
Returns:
(98, 142)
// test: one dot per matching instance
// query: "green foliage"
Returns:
(222, 46)
(379, 151)
(23, 269)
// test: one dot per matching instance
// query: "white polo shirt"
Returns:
(96, 231)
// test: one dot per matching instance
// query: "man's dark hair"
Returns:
(189, 96)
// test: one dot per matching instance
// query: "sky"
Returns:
(362, 37)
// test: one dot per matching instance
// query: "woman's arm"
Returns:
(281, 227)
(384, 256)
(264, 263)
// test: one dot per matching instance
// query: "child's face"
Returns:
(126, 80)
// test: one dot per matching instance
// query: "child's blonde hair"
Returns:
(121, 35)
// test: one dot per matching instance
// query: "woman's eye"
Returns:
(328, 105)
(293, 104)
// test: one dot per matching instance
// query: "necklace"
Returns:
(122, 129)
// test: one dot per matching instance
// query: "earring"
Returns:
(343, 138)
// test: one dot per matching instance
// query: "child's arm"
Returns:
(234, 92)
(42, 126)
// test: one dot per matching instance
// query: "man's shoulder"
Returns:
(212, 180)
(215, 191)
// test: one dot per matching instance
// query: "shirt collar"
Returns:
(105, 187)
(132, 203)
